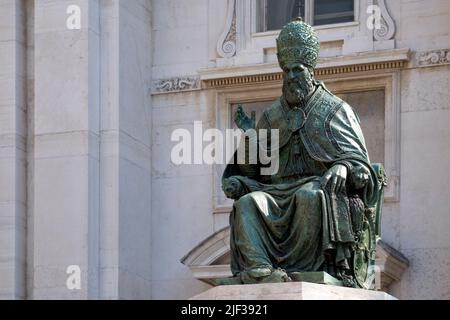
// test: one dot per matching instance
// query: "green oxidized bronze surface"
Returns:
(298, 40)
(318, 216)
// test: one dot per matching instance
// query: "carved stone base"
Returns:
(290, 291)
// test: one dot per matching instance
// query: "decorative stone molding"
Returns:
(434, 57)
(176, 85)
(320, 72)
(392, 264)
(381, 61)
(211, 258)
(388, 29)
(237, 81)
(210, 250)
(226, 46)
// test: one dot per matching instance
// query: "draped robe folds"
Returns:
(288, 220)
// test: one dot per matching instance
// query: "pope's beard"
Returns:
(295, 92)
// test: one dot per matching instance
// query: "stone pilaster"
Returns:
(66, 150)
(125, 161)
(13, 107)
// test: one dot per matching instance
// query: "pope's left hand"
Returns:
(337, 176)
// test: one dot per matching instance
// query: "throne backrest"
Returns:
(381, 175)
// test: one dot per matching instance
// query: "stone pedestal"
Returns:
(290, 291)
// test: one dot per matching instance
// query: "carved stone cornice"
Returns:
(320, 72)
(433, 57)
(327, 68)
(178, 84)
(226, 46)
(391, 264)
(388, 29)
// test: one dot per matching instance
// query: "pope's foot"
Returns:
(277, 276)
(347, 280)
(264, 275)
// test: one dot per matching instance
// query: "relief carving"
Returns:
(387, 30)
(226, 46)
(433, 57)
(176, 84)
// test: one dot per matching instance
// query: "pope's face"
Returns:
(297, 83)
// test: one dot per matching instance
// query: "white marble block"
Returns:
(290, 291)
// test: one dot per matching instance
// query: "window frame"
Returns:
(309, 16)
